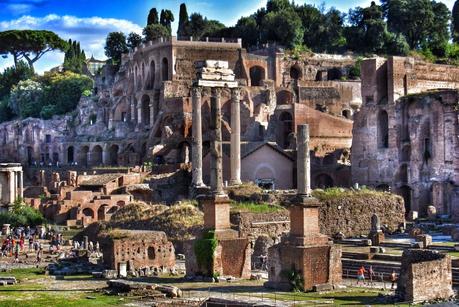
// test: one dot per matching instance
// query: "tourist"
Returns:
(39, 256)
(91, 246)
(97, 247)
(371, 274)
(16, 252)
(393, 279)
(361, 275)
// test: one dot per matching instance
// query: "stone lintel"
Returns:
(223, 84)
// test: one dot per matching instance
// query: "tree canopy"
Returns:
(115, 46)
(29, 45)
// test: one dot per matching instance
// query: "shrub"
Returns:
(22, 215)
(204, 250)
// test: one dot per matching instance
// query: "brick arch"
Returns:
(284, 97)
(121, 111)
(257, 74)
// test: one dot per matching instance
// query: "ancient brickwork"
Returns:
(424, 276)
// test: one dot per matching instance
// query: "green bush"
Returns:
(22, 215)
(204, 250)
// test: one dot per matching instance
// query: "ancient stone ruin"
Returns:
(424, 276)
(11, 183)
(305, 252)
(219, 250)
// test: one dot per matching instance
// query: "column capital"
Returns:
(196, 91)
(216, 92)
(236, 94)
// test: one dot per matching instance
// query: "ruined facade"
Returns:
(140, 250)
(144, 110)
(405, 133)
(11, 184)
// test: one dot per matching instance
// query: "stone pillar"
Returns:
(133, 110)
(216, 163)
(152, 113)
(139, 114)
(196, 142)
(303, 161)
(105, 155)
(110, 120)
(235, 137)
(21, 184)
(12, 187)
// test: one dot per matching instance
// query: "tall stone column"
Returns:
(12, 187)
(152, 112)
(216, 174)
(303, 161)
(21, 184)
(235, 137)
(133, 110)
(196, 143)
(139, 114)
(106, 155)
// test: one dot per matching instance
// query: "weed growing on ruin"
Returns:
(295, 279)
(204, 250)
(255, 207)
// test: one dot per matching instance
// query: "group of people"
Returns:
(13, 246)
(372, 276)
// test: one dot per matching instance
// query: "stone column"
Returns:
(105, 155)
(196, 142)
(235, 137)
(303, 161)
(139, 114)
(152, 112)
(21, 184)
(12, 187)
(133, 110)
(216, 165)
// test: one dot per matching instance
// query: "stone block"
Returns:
(412, 215)
(425, 239)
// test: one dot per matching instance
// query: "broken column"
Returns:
(376, 234)
(235, 156)
(231, 255)
(305, 252)
(197, 138)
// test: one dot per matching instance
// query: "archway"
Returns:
(334, 74)
(101, 212)
(83, 156)
(323, 181)
(113, 151)
(284, 97)
(96, 155)
(295, 72)
(121, 111)
(383, 129)
(151, 81)
(405, 193)
(286, 121)
(30, 158)
(346, 113)
(146, 110)
(165, 69)
(88, 212)
(257, 74)
(70, 154)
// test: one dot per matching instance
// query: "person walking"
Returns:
(393, 279)
(361, 275)
(371, 275)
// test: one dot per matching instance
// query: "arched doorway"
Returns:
(70, 154)
(88, 212)
(146, 110)
(383, 129)
(284, 97)
(323, 181)
(30, 158)
(96, 155)
(405, 193)
(295, 72)
(257, 74)
(83, 156)
(286, 121)
(101, 212)
(151, 81)
(165, 69)
(114, 154)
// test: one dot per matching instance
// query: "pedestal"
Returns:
(376, 237)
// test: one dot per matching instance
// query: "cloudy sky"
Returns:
(89, 21)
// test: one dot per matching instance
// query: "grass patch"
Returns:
(453, 254)
(25, 274)
(333, 193)
(353, 296)
(253, 207)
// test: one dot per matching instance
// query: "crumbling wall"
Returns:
(350, 213)
(424, 276)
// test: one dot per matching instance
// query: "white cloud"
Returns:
(90, 32)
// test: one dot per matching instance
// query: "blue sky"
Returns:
(89, 21)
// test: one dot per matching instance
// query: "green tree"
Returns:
(183, 20)
(29, 45)
(313, 24)
(75, 58)
(153, 32)
(115, 46)
(166, 18)
(283, 27)
(455, 22)
(438, 34)
(134, 40)
(12, 75)
(27, 98)
(278, 5)
(152, 17)
(247, 29)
